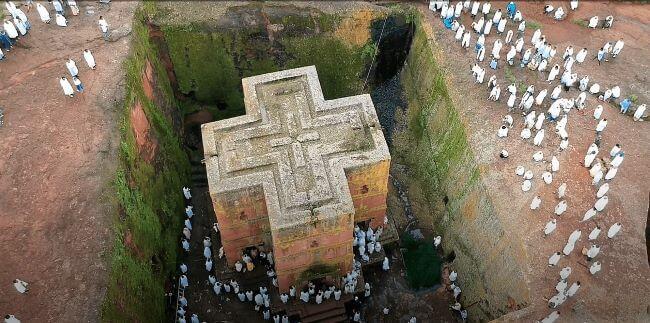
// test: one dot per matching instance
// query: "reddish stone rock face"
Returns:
(147, 145)
(296, 173)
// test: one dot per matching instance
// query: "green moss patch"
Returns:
(423, 265)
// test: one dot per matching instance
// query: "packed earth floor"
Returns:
(58, 157)
(623, 259)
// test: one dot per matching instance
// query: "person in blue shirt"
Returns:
(600, 56)
(512, 8)
(5, 41)
(625, 105)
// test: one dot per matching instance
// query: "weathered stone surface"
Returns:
(295, 173)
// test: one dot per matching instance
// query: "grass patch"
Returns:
(148, 193)
(580, 22)
(423, 265)
(533, 24)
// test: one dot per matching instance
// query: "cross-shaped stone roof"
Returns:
(295, 144)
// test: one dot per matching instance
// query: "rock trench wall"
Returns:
(434, 145)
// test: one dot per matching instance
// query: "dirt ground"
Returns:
(621, 290)
(57, 157)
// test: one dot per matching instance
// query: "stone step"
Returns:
(332, 315)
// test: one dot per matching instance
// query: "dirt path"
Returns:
(620, 291)
(57, 157)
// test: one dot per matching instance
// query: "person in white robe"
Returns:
(561, 286)
(609, 21)
(528, 174)
(67, 88)
(540, 97)
(547, 177)
(475, 8)
(613, 230)
(556, 92)
(459, 32)
(538, 156)
(486, 7)
(638, 114)
(511, 101)
(565, 272)
(551, 318)
(525, 133)
(573, 289)
(518, 16)
(72, 67)
(550, 227)
(455, 25)
(575, 236)
(510, 56)
(589, 158)
(385, 265)
(436, 241)
(616, 92)
(90, 60)
(21, 286)
(568, 248)
(503, 132)
(534, 204)
(554, 259)
(184, 282)
(595, 88)
(553, 73)
(11, 7)
(542, 65)
(582, 54)
(22, 29)
(539, 137)
(618, 159)
(458, 9)
(488, 27)
(60, 20)
(466, 39)
(593, 22)
(555, 164)
(43, 13)
(560, 207)
(480, 55)
(519, 45)
(597, 167)
(589, 214)
(501, 26)
(594, 268)
(564, 144)
(208, 265)
(536, 36)
(607, 95)
(593, 235)
(548, 8)
(598, 112)
(601, 125)
(593, 252)
(561, 190)
(187, 233)
(10, 30)
(509, 36)
(520, 170)
(597, 178)
(526, 185)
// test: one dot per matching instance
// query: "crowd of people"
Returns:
(365, 243)
(18, 27)
(540, 55)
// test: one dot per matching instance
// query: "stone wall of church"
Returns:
(243, 221)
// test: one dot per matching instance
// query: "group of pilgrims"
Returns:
(13, 30)
(538, 56)
(260, 298)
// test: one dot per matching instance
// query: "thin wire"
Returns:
(376, 52)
